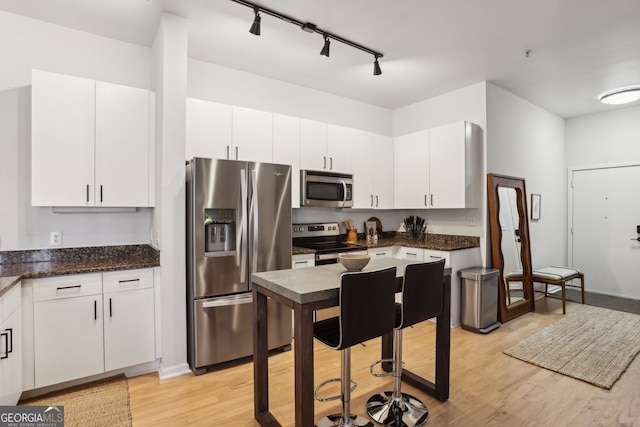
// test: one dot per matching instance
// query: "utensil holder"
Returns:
(352, 237)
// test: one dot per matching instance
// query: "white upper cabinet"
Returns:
(209, 129)
(62, 140)
(372, 162)
(122, 145)
(325, 147)
(411, 166)
(455, 165)
(439, 168)
(252, 135)
(286, 150)
(90, 142)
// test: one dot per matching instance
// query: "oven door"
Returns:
(326, 189)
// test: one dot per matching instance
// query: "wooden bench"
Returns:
(560, 276)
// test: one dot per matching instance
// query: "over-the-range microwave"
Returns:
(326, 189)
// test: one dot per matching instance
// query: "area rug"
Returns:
(101, 403)
(592, 344)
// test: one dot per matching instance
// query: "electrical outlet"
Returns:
(56, 238)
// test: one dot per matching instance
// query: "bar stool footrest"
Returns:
(406, 411)
(335, 420)
(384, 374)
(332, 380)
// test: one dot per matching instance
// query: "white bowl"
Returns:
(354, 262)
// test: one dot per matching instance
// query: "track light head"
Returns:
(325, 48)
(376, 67)
(255, 27)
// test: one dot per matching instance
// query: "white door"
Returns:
(606, 211)
(383, 171)
(447, 171)
(209, 130)
(411, 171)
(252, 135)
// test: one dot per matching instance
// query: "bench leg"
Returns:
(582, 286)
(564, 297)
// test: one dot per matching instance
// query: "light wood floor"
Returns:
(488, 388)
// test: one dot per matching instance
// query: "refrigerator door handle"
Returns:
(223, 302)
(243, 235)
(254, 208)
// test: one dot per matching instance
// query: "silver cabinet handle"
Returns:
(324, 159)
(100, 193)
(227, 152)
(376, 201)
(87, 193)
(301, 262)
(236, 153)
(432, 200)
(371, 199)
(330, 163)
(425, 200)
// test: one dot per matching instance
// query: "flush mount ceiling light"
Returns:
(621, 96)
(310, 28)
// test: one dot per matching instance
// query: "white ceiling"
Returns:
(578, 48)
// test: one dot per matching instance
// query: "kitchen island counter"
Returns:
(308, 289)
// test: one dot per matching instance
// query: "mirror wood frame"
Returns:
(527, 304)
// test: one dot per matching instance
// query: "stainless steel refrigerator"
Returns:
(238, 222)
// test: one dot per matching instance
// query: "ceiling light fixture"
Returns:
(376, 67)
(620, 96)
(255, 27)
(325, 48)
(310, 28)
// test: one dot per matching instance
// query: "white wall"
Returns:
(527, 141)
(212, 82)
(603, 139)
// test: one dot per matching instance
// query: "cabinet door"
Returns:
(339, 140)
(313, 145)
(383, 171)
(122, 146)
(364, 170)
(129, 334)
(447, 169)
(208, 130)
(62, 140)
(252, 135)
(11, 362)
(431, 255)
(411, 169)
(381, 252)
(68, 339)
(286, 150)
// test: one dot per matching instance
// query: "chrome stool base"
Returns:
(403, 412)
(336, 420)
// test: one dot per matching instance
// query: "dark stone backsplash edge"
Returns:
(75, 254)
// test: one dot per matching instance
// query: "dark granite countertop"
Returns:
(439, 242)
(33, 264)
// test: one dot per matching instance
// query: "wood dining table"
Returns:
(308, 289)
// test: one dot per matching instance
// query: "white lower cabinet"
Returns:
(303, 260)
(80, 332)
(405, 252)
(129, 337)
(386, 252)
(10, 347)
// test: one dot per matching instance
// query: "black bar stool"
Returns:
(367, 301)
(422, 291)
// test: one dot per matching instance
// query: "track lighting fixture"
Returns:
(376, 67)
(325, 48)
(310, 28)
(255, 27)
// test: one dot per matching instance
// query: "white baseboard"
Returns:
(167, 372)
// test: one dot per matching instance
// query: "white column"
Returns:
(169, 71)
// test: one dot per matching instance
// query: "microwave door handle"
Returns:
(243, 234)
(254, 205)
(344, 191)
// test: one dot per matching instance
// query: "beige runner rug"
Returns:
(101, 403)
(592, 344)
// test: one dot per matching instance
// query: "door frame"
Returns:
(570, 172)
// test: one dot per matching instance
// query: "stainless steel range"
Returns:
(325, 239)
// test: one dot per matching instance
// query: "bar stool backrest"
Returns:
(367, 305)
(422, 291)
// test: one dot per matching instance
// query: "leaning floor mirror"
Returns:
(510, 249)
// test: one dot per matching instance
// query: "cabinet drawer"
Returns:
(67, 286)
(10, 301)
(432, 256)
(114, 281)
(415, 254)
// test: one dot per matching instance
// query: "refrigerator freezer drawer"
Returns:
(223, 329)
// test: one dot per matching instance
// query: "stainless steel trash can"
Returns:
(479, 299)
